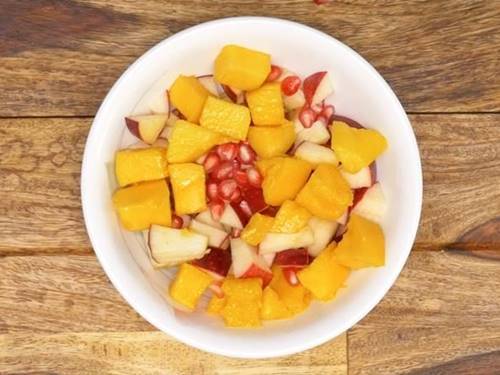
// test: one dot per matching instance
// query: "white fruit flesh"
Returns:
(230, 218)
(316, 154)
(215, 236)
(147, 127)
(294, 101)
(323, 90)
(244, 256)
(363, 178)
(274, 242)
(372, 205)
(317, 133)
(206, 218)
(210, 84)
(269, 258)
(323, 231)
(172, 246)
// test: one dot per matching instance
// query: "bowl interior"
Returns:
(360, 93)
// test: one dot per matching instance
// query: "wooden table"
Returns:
(59, 313)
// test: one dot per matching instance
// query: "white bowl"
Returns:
(360, 93)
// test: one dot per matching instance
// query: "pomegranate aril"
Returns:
(227, 188)
(177, 222)
(236, 196)
(291, 276)
(254, 177)
(274, 74)
(290, 85)
(245, 208)
(212, 190)
(227, 151)
(211, 162)
(307, 117)
(327, 113)
(317, 108)
(216, 207)
(246, 154)
(223, 170)
(241, 178)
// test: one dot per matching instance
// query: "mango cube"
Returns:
(296, 298)
(226, 118)
(243, 302)
(272, 306)
(273, 141)
(290, 218)
(266, 105)
(256, 229)
(215, 305)
(188, 185)
(356, 148)
(138, 165)
(189, 141)
(141, 205)
(242, 68)
(363, 245)
(188, 95)
(324, 276)
(189, 284)
(284, 179)
(263, 165)
(327, 194)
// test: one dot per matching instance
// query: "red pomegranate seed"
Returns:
(224, 170)
(307, 117)
(227, 188)
(241, 178)
(290, 276)
(246, 154)
(236, 196)
(211, 162)
(327, 113)
(235, 233)
(254, 177)
(212, 190)
(274, 74)
(216, 207)
(227, 151)
(177, 221)
(290, 85)
(246, 208)
(317, 108)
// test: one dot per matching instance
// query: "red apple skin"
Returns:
(230, 93)
(255, 199)
(373, 172)
(358, 195)
(341, 229)
(292, 257)
(242, 215)
(133, 127)
(255, 271)
(290, 274)
(270, 211)
(310, 84)
(217, 261)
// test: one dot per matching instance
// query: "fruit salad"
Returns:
(250, 184)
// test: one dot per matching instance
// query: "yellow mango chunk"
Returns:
(272, 306)
(242, 68)
(266, 105)
(215, 305)
(190, 141)
(327, 194)
(356, 148)
(141, 205)
(188, 95)
(188, 185)
(256, 229)
(284, 180)
(296, 298)
(243, 302)
(290, 218)
(138, 165)
(226, 118)
(263, 165)
(363, 245)
(324, 276)
(273, 141)
(189, 284)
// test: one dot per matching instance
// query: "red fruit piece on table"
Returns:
(274, 74)
(246, 155)
(177, 222)
(226, 188)
(227, 151)
(241, 178)
(292, 257)
(254, 177)
(307, 117)
(217, 261)
(254, 198)
(290, 85)
(211, 162)
(216, 207)
(223, 171)
(212, 190)
(290, 275)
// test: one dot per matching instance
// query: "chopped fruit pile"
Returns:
(250, 183)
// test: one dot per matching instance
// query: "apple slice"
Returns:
(292, 258)
(317, 87)
(217, 261)
(361, 179)
(372, 204)
(317, 133)
(215, 236)
(247, 263)
(290, 274)
(146, 127)
(210, 84)
(205, 217)
(230, 217)
(254, 197)
(343, 219)
(242, 211)
(171, 246)
(156, 100)
(323, 231)
(316, 154)
(268, 258)
(237, 96)
(274, 242)
(294, 101)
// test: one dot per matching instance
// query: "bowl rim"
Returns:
(86, 187)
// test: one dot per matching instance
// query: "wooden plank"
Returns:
(40, 169)
(60, 58)
(150, 353)
(441, 317)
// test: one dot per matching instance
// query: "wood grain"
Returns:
(441, 317)
(59, 58)
(40, 171)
